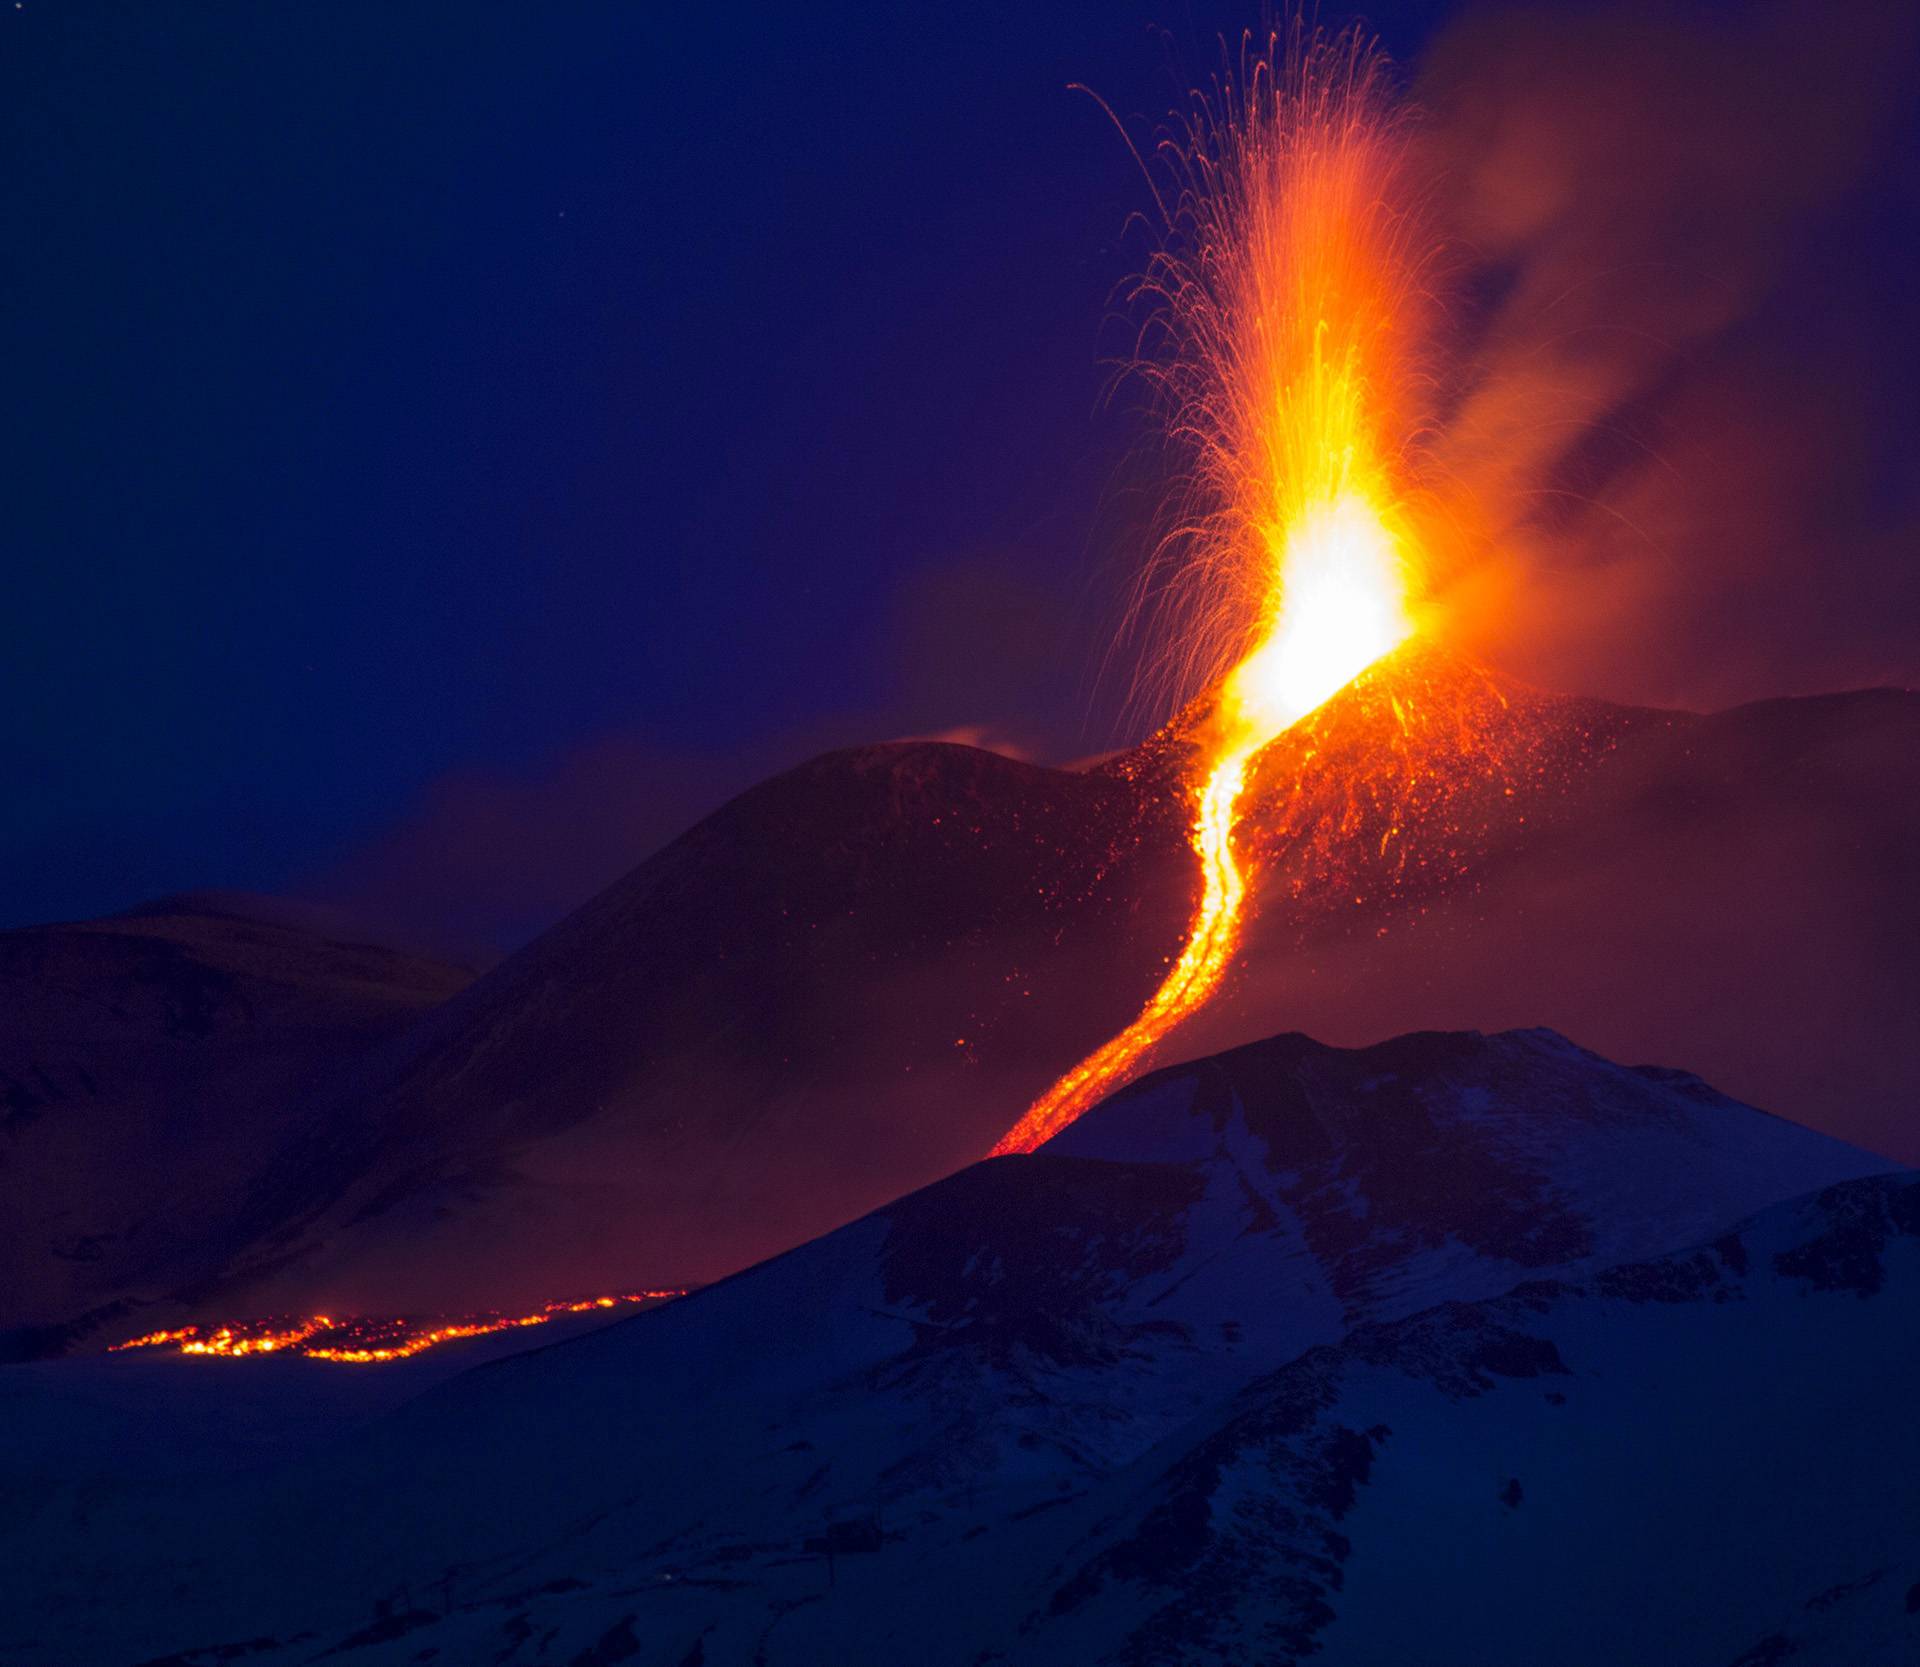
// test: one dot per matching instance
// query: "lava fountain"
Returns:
(1289, 290)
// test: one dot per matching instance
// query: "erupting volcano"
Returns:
(1289, 287)
(846, 982)
(1329, 1148)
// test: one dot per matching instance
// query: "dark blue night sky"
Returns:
(399, 393)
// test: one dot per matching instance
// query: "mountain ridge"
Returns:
(990, 1387)
(149, 1067)
(856, 976)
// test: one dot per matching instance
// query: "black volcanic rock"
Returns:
(150, 1067)
(1145, 1395)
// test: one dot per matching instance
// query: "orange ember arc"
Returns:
(365, 1342)
(1290, 287)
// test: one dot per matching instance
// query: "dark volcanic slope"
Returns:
(827, 992)
(853, 978)
(149, 1066)
(1224, 1374)
(1735, 891)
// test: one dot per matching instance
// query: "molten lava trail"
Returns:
(1290, 288)
(1195, 975)
(365, 1342)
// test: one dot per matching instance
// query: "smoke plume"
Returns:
(1672, 460)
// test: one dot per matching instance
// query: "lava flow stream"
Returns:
(1290, 288)
(365, 1342)
(1359, 617)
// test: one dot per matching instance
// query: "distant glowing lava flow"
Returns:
(363, 1342)
(1290, 289)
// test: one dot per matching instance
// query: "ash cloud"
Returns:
(1674, 457)
(489, 857)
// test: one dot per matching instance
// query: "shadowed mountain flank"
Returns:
(855, 977)
(1294, 1352)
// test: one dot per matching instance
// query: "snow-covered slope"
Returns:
(1704, 1458)
(1140, 1387)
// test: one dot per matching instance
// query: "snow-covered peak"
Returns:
(1440, 1162)
(985, 1399)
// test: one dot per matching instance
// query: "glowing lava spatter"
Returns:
(1290, 286)
(365, 1342)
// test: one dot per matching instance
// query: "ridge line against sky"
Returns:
(506, 418)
